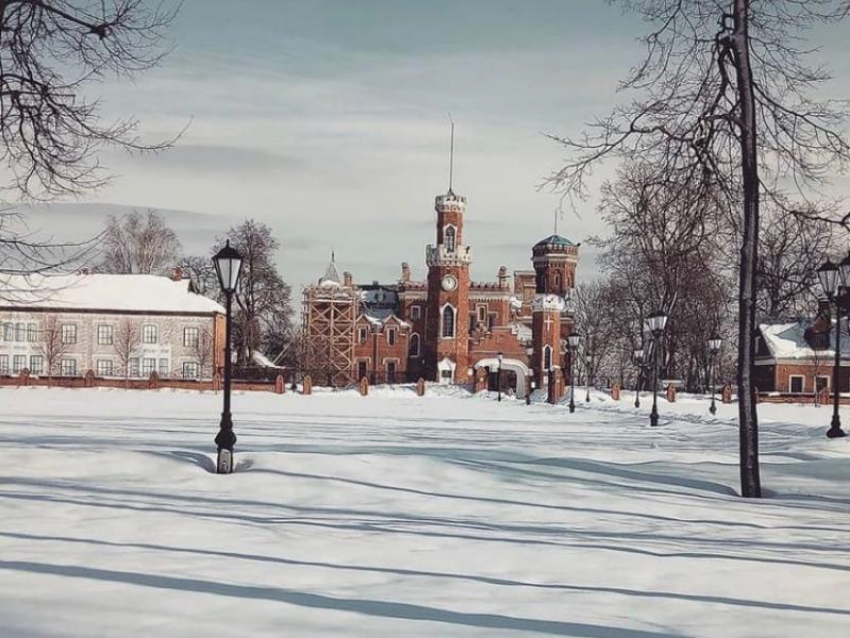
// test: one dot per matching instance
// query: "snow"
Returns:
(788, 341)
(96, 291)
(394, 515)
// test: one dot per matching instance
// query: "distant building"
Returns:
(121, 326)
(797, 357)
(447, 326)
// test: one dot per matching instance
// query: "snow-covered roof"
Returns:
(96, 291)
(788, 341)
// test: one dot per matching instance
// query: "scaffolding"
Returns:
(329, 311)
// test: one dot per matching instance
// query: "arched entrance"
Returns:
(518, 368)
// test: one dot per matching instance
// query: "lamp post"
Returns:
(228, 264)
(713, 349)
(657, 322)
(572, 341)
(638, 358)
(829, 275)
(499, 356)
(588, 361)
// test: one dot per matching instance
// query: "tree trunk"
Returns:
(747, 413)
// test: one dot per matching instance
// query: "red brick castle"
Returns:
(447, 328)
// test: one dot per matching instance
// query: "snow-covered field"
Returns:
(397, 516)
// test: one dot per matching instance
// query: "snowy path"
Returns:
(400, 516)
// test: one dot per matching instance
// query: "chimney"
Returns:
(347, 279)
(177, 273)
(85, 270)
(405, 272)
(503, 277)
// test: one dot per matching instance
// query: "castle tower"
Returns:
(447, 328)
(554, 260)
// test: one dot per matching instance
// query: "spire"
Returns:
(451, 152)
(331, 275)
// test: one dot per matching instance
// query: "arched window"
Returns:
(450, 239)
(414, 345)
(448, 322)
(547, 357)
(557, 282)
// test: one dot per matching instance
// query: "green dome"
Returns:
(557, 240)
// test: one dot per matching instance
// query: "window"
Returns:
(8, 332)
(105, 335)
(32, 332)
(68, 367)
(362, 335)
(20, 331)
(104, 368)
(482, 313)
(557, 282)
(4, 364)
(448, 331)
(134, 367)
(19, 362)
(491, 321)
(148, 366)
(191, 337)
(415, 312)
(547, 357)
(414, 345)
(450, 239)
(149, 333)
(164, 368)
(390, 371)
(795, 383)
(391, 337)
(36, 364)
(822, 383)
(69, 333)
(191, 370)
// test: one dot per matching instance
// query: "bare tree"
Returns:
(51, 51)
(139, 243)
(204, 352)
(201, 272)
(262, 320)
(126, 345)
(51, 345)
(725, 102)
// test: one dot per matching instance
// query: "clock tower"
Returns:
(447, 325)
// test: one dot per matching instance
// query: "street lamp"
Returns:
(572, 341)
(657, 322)
(588, 361)
(638, 358)
(713, 348)
(499, 356)
(228, 264)
(829, 275)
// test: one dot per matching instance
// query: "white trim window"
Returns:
(104, 368)
(546, 360)
(105, 334)
(415, 312)
(36, 364)
(191, 370)
(191, 336)
(4, 364)
(414, 345)
(69, 333)
(150, 333)
(134, 367)
(32, 332)
(20, 331)
(391, 336)
(361, 336)
(164, 369)
(821, 382)
(796, 383)
(148, 366)
(68, 366)
(19, 362)
(8, 331)
(448, 321)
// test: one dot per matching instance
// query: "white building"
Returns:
(115, 325)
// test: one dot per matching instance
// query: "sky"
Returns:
(329, 120)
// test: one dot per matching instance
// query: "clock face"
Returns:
(449, 283)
